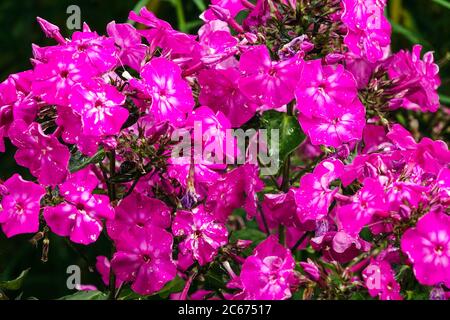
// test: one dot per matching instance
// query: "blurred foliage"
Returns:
(419, 21)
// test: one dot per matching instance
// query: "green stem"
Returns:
(112, 197)
(180, 15)
(285, 184)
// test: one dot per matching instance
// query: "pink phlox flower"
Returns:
(80, 215)
(144, 258)
(43, 154)
(202, 234)
(20, 206)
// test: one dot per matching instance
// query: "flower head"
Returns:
(20, 206)
(171, 96)
(428, 247)
(79, 216)
(144, 257)
(203, 236)
(43, 154)
(269, 272)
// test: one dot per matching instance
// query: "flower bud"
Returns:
(50, 30)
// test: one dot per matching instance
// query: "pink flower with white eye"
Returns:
(417, 80)
(138, 211)
(79, 216)
(367, 202)
(203, 235)
(322, 89)
(171, 95)
(343, 124)
(369, 31)
(266, 81)
(132, 50)
(220, 92)
(44, 155)
(380, 281)
(269, 272)
(20, 206)
(53, 80)
(235, 189)
(101, 108)
(144, 258)
(217, 44)
(213, 128)
(428, 247)
(314, 195)
(88, 48)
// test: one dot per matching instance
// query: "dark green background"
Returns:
(421, 21)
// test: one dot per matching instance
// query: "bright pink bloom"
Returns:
(53, 80)
(428, 247)
(269, 272)
(236, 189)
(8, 97)
(218, 45)
(280, 209)
(171, 95)
(369, 31)
(100, 107)
(314, 195)
(173, 43)
(232, 6)
(343, 124)
(220, 91)
(380, 281)
(86, 47)
(367, 202)
(210, 131)
(144, 257)
(266, 81)
(203, 236)
(416, 80)
(138, 211)
(44, 155)
(73, 131)
(79, 216)
(322, 89)
(132, 50)
(339, 246)
(20, 206)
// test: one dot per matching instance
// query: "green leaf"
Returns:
(214, 278)
(444, 99)
(86, 295)
(443, 3)
(79, 161)
(176, 285)
(15, 284)
(290, 133)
